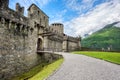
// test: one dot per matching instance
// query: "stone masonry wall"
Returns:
(72, 46)
(18, 45)
(18, 53)
(71, 43)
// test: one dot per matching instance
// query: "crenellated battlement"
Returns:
(14, 27)
(14, 16)
(19, 9)
(70, 38)
(14, 22)
(58, 27)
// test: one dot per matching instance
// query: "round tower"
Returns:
(58, 27)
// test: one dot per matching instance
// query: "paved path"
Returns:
(80, 67)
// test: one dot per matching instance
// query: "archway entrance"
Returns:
(39, 44)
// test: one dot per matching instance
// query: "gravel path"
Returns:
(80, 67)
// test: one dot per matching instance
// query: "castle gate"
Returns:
(39, 44)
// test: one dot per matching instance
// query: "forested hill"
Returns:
(108, 37)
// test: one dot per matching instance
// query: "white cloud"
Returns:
(58, 17)
(95, 19)
(117, 25)
(39, 2)
(80, 5)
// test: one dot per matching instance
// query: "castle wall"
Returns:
(71, 43)
(4, 4)
(17, 50)
(21, 39)
(57, 39)
(72, 46)
(18, 44)
(54, 45)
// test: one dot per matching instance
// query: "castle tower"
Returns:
(4, 4)
(58, 27)
(19, 9)
(38, 16)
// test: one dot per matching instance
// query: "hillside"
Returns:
(109, 36)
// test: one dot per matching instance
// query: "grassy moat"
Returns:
(113, 57)
(47, 70)
(39, 72)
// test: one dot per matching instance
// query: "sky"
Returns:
(79, 17)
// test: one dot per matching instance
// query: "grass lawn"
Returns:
(47, 70)
(113, 57)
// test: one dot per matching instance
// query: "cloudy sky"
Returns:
(79, 17)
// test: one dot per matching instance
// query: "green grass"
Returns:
(47, 70)
(113, 57)
(38, 69)
(30, 73)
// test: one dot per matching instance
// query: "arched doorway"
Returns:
(39, 44)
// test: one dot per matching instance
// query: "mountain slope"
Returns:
(109, 36)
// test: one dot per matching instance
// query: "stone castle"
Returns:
(21, 38)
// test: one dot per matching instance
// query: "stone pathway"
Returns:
(80, 67)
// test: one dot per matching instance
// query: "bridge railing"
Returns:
(49, 50)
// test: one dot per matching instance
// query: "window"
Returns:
(38, 12)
